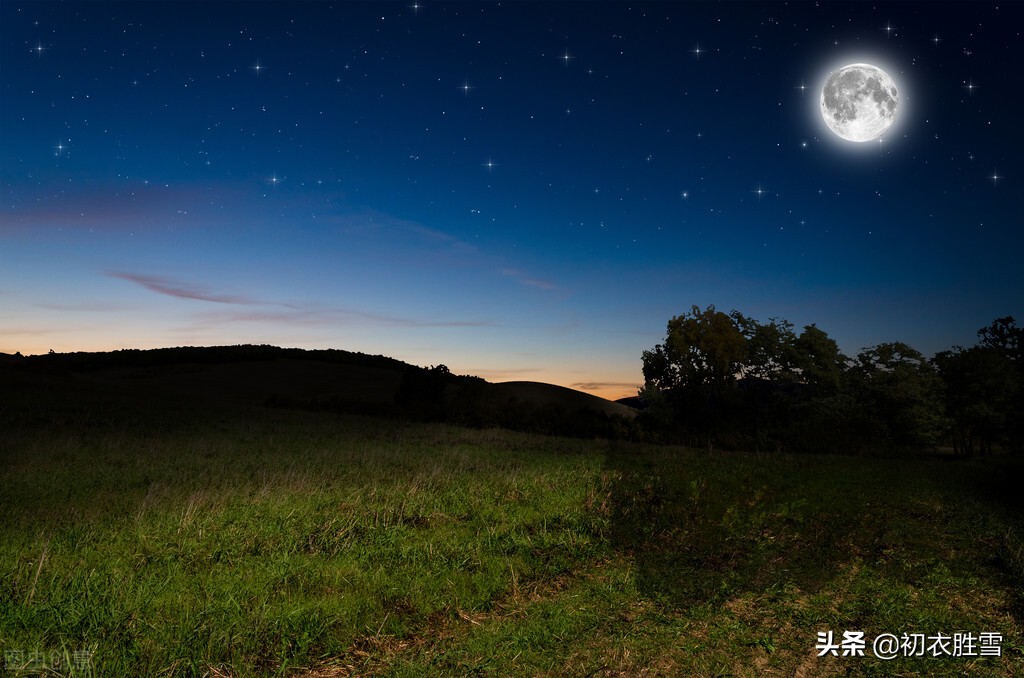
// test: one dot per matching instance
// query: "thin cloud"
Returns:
(447, 248)
(290, 313)
(9, 331)
(331, 317)
(603, 385)
(373, 223)
(434, 235)
(109, 208)
(489, 373)
(90, 307)
(181, 290)
(538, 283)
(525, 279)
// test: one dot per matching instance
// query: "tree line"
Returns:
(134, 358)
(728, 381)
(720, 381)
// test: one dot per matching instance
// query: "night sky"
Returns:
(516, 190)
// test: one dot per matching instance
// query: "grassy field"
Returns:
(252, 541)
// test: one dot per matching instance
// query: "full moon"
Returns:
(859, 102)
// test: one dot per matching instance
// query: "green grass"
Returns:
(262, 542)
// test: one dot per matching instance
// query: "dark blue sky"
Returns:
(517, 190)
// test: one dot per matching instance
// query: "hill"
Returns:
(213, 378)
(550, 395)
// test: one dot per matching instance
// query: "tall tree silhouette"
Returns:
(698, 364)
(984, 389)
(900, 391)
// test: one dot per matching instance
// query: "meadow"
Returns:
(251, 541)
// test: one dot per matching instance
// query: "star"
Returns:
(970, 86)
(697, 51)
(58, 150)
(257, 68)
(465, 87)
(936, 39)
(995, 177)
(273, 180)
(565, 58)
(888, 28)
(802, 87)
(39, 49)
(490, 165)
(415, 7)
(759, 191)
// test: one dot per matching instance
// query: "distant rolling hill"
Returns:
(232, 376)
(550, 395)
(254, 382)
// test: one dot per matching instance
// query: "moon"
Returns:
(859, 102)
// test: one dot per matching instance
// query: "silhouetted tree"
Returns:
(736, 382)
(900, 392)
(824, 414)
(768, 369)
(423, 391)
(819, 360)
(698, 364)
(1004, 336)
(983, 389)
(978, 392)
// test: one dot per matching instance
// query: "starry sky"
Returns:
(516, 190)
